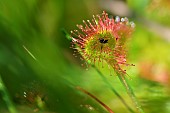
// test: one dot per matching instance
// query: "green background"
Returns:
(47, 83)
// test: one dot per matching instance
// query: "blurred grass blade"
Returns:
(29, 52)
(6, 97)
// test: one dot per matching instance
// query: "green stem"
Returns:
(130, 92)
(6, 97)
(122, 78)
(113, 90)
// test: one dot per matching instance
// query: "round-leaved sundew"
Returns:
(103, 39)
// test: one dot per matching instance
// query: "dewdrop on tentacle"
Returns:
(103, 39)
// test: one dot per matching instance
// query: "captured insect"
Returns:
(103, 41)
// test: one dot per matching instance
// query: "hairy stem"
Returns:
(123, 80)
(6, 97)
(130, 92)
(95, 98)
(113, 90)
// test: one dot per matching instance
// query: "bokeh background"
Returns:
(40, 74)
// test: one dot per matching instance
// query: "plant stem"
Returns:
(112, 88)
(123, 80)
(6, 97)
(130, 92)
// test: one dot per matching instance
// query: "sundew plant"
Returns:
(84, 56)
(104, 40)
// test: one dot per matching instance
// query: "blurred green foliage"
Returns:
(47, 82)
